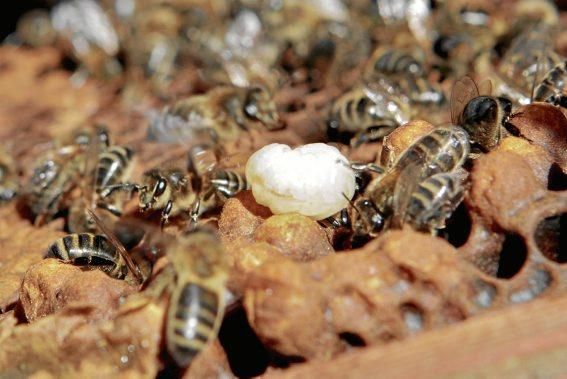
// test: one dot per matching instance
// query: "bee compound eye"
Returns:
(160, 187)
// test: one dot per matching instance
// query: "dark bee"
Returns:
(87, 249)
(433, 202)
(9, 185)
(482, 116)
(552, 87)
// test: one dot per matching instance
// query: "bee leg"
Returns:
(111, 208)
(165, 213)
(163, 282)
(366, 167)
(127, 187)
(194, 212)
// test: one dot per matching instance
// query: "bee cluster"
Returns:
(427, 185)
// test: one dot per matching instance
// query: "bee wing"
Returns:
(464, 90)
(485, 87)
(235, 160)
(408, 180)
(166, 127)
(376, 91)
(89, 178)
(118, 245)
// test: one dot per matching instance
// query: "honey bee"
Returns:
(210, 174)
(530, 52)
(58, 172)
(197, 301)
(86, 249)
(168, 190)
(366, 219)
(404, 75)
(552, 87)
(361, 219)
(442, 150)
(225, 111)
(113, 166)
(365, 113)
(482, 116)
(152, 45)
(179, 193)
(54, 177)
(9, 185)
(433, 201)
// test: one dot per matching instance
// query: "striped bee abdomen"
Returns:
(192, 321)
(442, 150)
(551, 89)
(397, 62)
(86, 249)
(229, 183)
(434, 200)
(112, 165)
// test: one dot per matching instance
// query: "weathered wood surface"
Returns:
(524, 341)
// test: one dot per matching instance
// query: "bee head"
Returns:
(505, 105)
(370, 220)
(482, 118)
(151, 193)
(259, 106)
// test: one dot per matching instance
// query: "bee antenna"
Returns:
(350, 202)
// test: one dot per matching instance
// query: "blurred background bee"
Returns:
(552, 87)
(82, 29)
(404, 74)
(224, 112)
(363, 114)
(105, 165)
(9, 181)
(194, 284)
